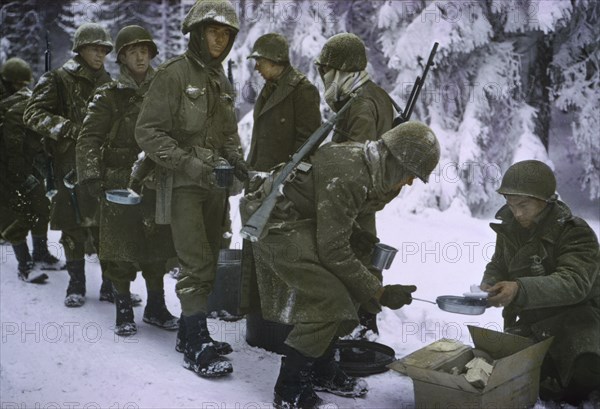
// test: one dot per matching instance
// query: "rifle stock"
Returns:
(254, 227)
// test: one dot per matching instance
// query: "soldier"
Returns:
(309, 273)
(545, 274)
(14, 75)
(287, 109)
(24, 161)
(342, 65)
(187, 125)
(106, 150)
(56, 111)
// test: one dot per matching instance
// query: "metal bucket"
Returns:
(225, 295)
(383, 256)
(224, 175)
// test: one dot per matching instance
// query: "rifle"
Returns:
(255, 225)
(50, 187)
(414, 93)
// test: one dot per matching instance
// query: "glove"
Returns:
(199, 171)
(362, 241)
(93, 188)
(241, 170)
(395, 296)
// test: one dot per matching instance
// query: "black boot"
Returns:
(76, 289)
(327, 376)
(125, 325)
(42, 256)
(200, 355)
(107, 293)
(293, 388)
(222, 348)
(156, 312)
(25, 265)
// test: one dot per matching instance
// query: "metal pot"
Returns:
(123, 196)
(459, 305)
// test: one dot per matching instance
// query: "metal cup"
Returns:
(224, 175)
(383, 255)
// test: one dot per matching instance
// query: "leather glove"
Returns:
(396, 296)
(241, 170)
(93, 188)
(362, 241)
(200, 171)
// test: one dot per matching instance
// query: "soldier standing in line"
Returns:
(106, 150)
(317, 288)
(545, 273)
(24, 160)
(56, 111)
(187, 125)
(342, 65)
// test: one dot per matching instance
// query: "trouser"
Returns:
(196, 218)
(73, 241)
(313, 339)
(34, 215)
(122, 273)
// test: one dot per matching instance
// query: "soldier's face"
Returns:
(268, 69)
(405, 182)
(525, 209)
(136, 58)
(217, 39)
(94, 55)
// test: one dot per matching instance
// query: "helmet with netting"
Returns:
(415, 146)
(271, 46)
(16, 70)
(344, 52)
(131, 35)
(211, 11)
(530, 178)
(91, 34)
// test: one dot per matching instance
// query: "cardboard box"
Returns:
(513, 383)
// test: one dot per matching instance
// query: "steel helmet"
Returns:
(271, 46)
(216, 11)
(415, 146)
(529, 178)
(16, 70)
(91, 34)
(344, 52)
(135, 35)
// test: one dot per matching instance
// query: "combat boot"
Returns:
(293, 388)
(125, 325)
(42, 256)
(200, 354)
(222, 348)
(107, 293)
(25, 265)
(76, 289)
(156, 312)
(327, 376)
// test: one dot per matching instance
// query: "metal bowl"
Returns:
(123, 196)
(462, 305)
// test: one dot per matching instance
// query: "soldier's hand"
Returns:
(396, 296)
(93, 188)
(241, 170)
(502, 293)
(362, 241)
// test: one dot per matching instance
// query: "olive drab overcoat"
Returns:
(306, 268)
(106, 150)
(56, 111)
(188, 113)
(370, 116)
(283, 120)
(557, 268)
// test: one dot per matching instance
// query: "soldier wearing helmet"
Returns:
(316, 288)
(106, 151)
(15, 74)
(187, 125)
(56, 111)
(287, 109)
(342, 65)
(545, 274)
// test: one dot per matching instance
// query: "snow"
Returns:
(54, 357)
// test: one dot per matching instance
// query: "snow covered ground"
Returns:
(55, 357)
